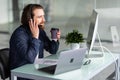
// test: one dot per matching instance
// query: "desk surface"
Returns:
(86, 72)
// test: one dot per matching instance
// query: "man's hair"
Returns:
(27, 13)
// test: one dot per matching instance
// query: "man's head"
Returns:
(34, 12)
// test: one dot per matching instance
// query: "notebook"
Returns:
(67, 61)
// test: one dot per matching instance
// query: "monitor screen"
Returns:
(92, 30)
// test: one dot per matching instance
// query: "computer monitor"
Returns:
(92, 32)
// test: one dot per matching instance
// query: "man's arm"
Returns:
(26, 48)
(50, 46)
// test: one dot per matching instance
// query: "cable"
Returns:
(117, 69)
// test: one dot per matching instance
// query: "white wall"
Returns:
(76, 8)
(77, 13)
(60, 8)
(107, 3)
(108, 17)
(5, 12)
(72, 13)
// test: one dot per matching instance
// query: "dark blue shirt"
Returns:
(24, 48)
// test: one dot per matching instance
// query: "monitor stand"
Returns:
(95, 54)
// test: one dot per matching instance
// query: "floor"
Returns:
(7, 29)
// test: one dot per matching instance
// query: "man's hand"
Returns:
(58, 35)
(34, 28)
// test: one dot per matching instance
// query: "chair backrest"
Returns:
(4, 63)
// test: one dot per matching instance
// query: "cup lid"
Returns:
(54, 28)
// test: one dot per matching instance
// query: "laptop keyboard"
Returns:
(48, 69)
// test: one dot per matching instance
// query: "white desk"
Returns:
(86, 72)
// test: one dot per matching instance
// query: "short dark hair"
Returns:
(27, 13)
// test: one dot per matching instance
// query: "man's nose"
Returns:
(43, 19)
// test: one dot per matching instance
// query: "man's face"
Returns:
(39, 16)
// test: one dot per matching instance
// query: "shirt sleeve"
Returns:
(51, 46)
(26, 48)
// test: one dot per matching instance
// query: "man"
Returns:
(30, 39)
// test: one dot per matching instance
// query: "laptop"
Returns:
(67, 61)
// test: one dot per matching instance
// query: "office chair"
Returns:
(4, 63)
